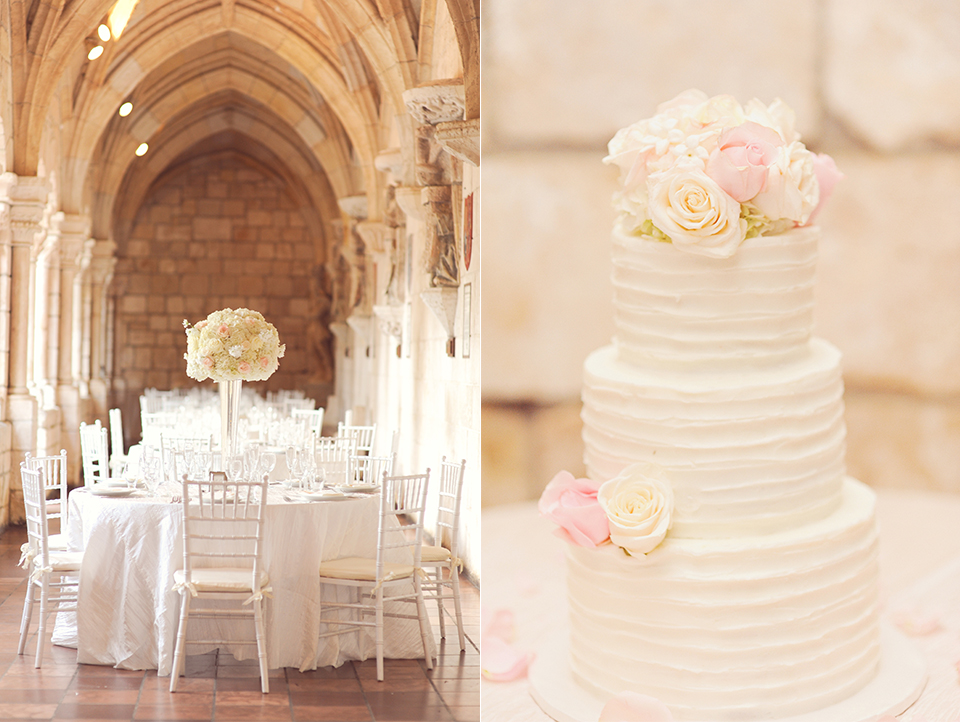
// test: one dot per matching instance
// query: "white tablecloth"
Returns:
(128, 611)
(524, 572)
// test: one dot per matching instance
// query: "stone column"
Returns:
(26, 198)
(75, 243)
(46, 338)
(362, 394)
(101, 275)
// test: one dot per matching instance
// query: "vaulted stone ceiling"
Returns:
(311, 88)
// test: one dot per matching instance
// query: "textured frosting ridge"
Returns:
(734, 629)
(678, 309)
(761, 602)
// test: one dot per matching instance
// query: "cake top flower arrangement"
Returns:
(232, 345)
(707, 173)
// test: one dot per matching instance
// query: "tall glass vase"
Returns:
(229, 419)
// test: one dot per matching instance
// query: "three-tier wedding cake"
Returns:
(720, 560)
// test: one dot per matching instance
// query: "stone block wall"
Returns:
(873, 83)
(214, 234)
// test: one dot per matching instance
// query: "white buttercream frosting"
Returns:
(746, 451)
(761, 600)
(749, 627)
(677, 310)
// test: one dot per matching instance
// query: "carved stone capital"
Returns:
(461, 139)
(435, 102)
(443, 303)
(389, 161)
(102, 261)
(354, 206)
(26, 198)
(74, 232)
(391, 319)
(362, 326)
(409, 200)
(375, 235)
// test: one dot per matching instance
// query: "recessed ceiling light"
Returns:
(95, 52)
(126, 109)
(142, 149)
(104, 32)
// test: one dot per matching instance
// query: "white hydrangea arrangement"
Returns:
(707, 173)
(231, 345)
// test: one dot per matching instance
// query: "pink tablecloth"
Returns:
(128, 611)
(920, 577)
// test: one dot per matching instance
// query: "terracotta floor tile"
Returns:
(348, 713)
(218, 688)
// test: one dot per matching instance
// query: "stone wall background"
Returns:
(875, 84)
(217, 232)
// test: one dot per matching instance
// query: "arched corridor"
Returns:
(315, 160)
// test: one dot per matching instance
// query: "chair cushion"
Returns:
(434, 554)
(221, 579)
(363, 569)
(62, 561)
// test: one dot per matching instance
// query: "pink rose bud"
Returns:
(572, 504)
(264, 361)
(243, 367)
(743, 154)
(828, 175)
(223, 329)
(207, 361)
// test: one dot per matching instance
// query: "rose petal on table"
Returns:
(635, 707)
(917, 622)
(501, 662)
(500, 624)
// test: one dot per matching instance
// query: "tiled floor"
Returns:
(220, 689)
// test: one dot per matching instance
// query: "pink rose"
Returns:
(740, 161)
(634, 707)
(243, 367)
(201, 324)
(827, 177)
(223, 329)
(264, 361)
(572, 503)
(501, 661)
(207, 361)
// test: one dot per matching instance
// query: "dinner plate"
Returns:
(108, 490)
(357, 488)
(323, 496)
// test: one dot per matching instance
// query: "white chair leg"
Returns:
(455, 581)
(42, 627)
(379, 635)
(424, 622)
(438, 586)
(27, 613)
(261, 646)
(178, 661)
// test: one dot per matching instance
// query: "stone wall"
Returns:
(215, 233)
(873, 84)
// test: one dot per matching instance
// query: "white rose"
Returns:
(791, 190)
(696, 214)
(638, 503)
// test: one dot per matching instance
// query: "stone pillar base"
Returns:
(6, 433)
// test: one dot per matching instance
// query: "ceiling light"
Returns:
(120, 15)
(142, 149)
(104, 32)
(95, 52)
(125, 109)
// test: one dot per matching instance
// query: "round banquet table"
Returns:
(523, 565)
(128, 610)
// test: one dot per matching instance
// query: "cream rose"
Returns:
(791, 189)
(638, 503)
(695, 213)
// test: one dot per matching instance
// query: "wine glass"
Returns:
(235, 468)
(268, 461)
(151, 474)
(293, 462)
(251, 460)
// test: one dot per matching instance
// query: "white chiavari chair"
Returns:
(312, 417)
(442, 557)
(93, 453)
(118, 453)
(55, 483)
(332, 454)
(365, 436)
(378, 581)
(369, 469)
(222, 542)
(54, 573)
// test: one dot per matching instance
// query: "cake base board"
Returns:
(898, 684)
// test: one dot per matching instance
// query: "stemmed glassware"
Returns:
(235, 468)
(151, 473)
(293, 458)
(268, 462)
